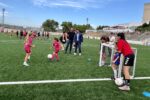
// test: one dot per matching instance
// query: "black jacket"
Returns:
(71, 35)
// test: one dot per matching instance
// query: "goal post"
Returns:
(105, 47)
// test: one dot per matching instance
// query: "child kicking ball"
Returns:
(56, 48)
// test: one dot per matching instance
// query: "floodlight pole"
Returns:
(87, 21)
(3, 14)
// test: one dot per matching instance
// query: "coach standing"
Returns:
(78, 39)
(70, 40)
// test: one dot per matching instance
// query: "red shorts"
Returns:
(56, 51)
(28, 50)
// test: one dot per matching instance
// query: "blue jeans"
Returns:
(69, 43)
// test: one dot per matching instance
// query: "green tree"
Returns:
(101, 27)
(143, 28)
(50, 25)
(66, 26)
(88, 26)
(82, 28)
(145, 25)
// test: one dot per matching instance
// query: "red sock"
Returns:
(57, 57)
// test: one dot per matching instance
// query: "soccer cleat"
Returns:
(25, 64)
(124, 88)
(80, 54)
(75, 54)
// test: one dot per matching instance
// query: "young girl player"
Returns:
(27, 47)
(124, 48)
(57, 48)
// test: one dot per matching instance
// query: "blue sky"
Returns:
(99, 12)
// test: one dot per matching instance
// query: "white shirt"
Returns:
(112, 39)
(78, 36)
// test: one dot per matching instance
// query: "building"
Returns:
(146, 17)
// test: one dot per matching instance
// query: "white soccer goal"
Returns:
(109, 51)
(106, 47)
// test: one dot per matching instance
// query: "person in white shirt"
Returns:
(112, 41)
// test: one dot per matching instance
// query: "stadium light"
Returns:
(87, 20)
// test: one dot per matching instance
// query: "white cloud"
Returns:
(81, 4)
(5, 14)
(3, 4)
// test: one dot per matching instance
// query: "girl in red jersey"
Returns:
(124, 48)
(56, 47)
(27, 47)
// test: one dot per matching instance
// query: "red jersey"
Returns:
(28, 44)
(124, 47)
(56, 46)
(24, 33)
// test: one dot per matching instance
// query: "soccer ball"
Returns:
(49, 56)
(118, 81)
(63, 40)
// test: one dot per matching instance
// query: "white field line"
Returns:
(64, 81)
(141, 78)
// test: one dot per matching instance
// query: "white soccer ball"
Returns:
(63, 40)
(118, 81)
(49, 56)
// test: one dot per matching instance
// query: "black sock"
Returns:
(127, 82)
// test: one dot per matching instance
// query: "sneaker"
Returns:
(80, 54)
(75, 54)
(25, 64)
(124, 88)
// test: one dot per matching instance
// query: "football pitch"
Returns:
(69, 67)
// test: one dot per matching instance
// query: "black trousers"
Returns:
(78, 46)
